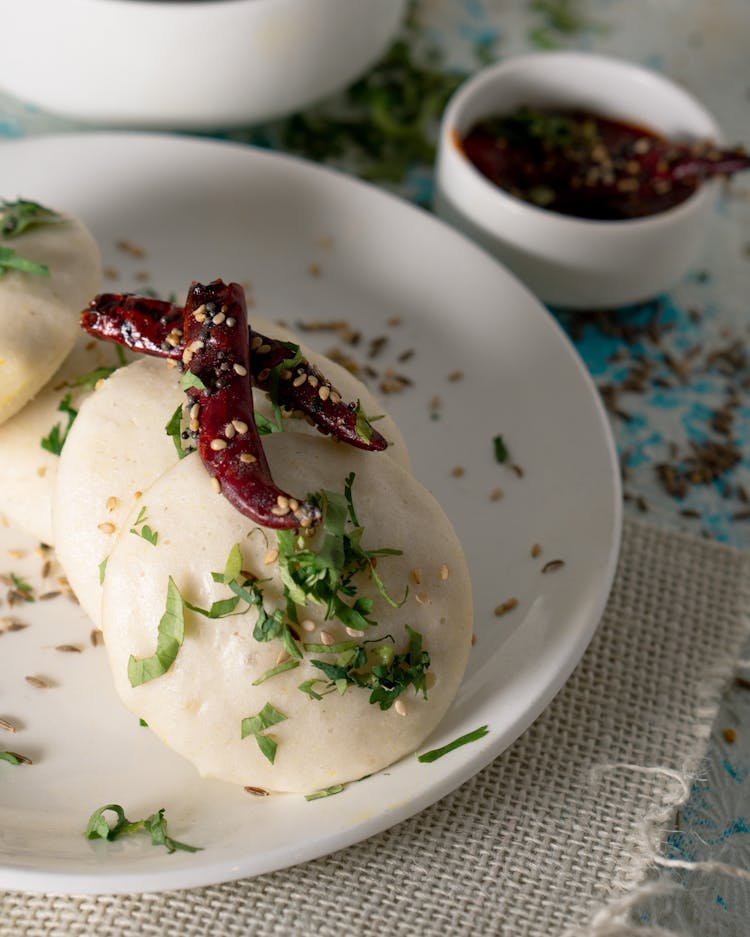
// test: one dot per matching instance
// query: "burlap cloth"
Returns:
(556, 828)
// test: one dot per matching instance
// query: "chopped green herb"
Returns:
(330, 648)
(11, 757)
(233, 566)
(155, 826)
(279, 668)
(171, 634)
(325, 575)
(307, 687)
(9, 260)
(287, 364)
(436, 753)
(151, 536)
(189, 380)
(501, 450)
(387, 679)
(362, 425)
(103, 570)
(143, 723)
(174, 429)
(254, 725)
(22, 587)
(326, 792)
(91, 379)
(265, 426)
(55, 441)
(17, 217)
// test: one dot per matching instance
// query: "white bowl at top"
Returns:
(189, 63)
(569, 261)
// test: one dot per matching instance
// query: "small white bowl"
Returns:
(566, 261)
(192, 63)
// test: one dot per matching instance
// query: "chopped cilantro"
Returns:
(151, 536)
(22, 587)
(265, 426)
(254, 725)
(173, 428)
(387, 679)
(325, 575)
(189, 380)
(501, 450)
(326, 792)
(103, 570)
(11, 758)
(362, 425)
(171, 634)
(9, 260)
(17, 217)
(436, 753)
(155, 826)
(279, 668)
(55, 441)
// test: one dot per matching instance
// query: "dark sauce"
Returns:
(578, 163)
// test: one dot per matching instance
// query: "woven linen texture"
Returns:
(539, 840)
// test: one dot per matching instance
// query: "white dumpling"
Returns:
(28, 471)
(39, 314)
(118, 446)
(198, 705)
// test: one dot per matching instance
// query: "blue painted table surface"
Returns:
(674, 372)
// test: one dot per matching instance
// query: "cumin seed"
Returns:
(552, 566)
(8, 726)
(257, 791)
(37, 682)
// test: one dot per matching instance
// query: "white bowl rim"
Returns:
(493, 73)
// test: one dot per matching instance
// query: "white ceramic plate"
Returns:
(316, 245)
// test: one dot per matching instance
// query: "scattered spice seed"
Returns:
(107, 528)
(69, 648)
(12, 624)
(257, 791)
(496, 494)
(416, 575)
(96, 637)
(128, 247)
(742, 682)
(46, 596)
(444, 572)
(8, 726)
(37, 683)
(400, 707)
(458, 471)
(455, 376)
(406, 355)
(421, 598)
(552, 566)
(507, 606)
(536, 550)
(393, 321)
(517, 469)
(730, 736)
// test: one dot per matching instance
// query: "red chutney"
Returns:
(578, 163)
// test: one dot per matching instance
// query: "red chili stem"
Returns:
(154, 327)
(217, 354)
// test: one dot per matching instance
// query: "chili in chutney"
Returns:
(582, 164)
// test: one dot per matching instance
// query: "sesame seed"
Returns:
(216, 485)
(293, 504)
(194, 426)
(335, 397)
(416, 575)
(271, 557)
(107, 528)
(240, 426)
(400, 707)
(247, 458)
(256, 343)
(536, 550)
(444, 572)
(285, 374)
(354, 632)
(429, 680)
(99, 384)
(68, 648)
(219, 318)
(282, 501)
(229, 431)
(496, 494)
(41, 471)
(218, 444)
(264, 375)
(231, 321)
(137, 495)
(327, 638)
(458, 471)
(422, 598)
(299, 381)
(112, 503)
(307, 625)
(240, 370)
(187, 356)
(280, 512)
(200, 311)
(263, 349)
(197, 345)
(257, 791)
(325, 392)
(313, 381)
